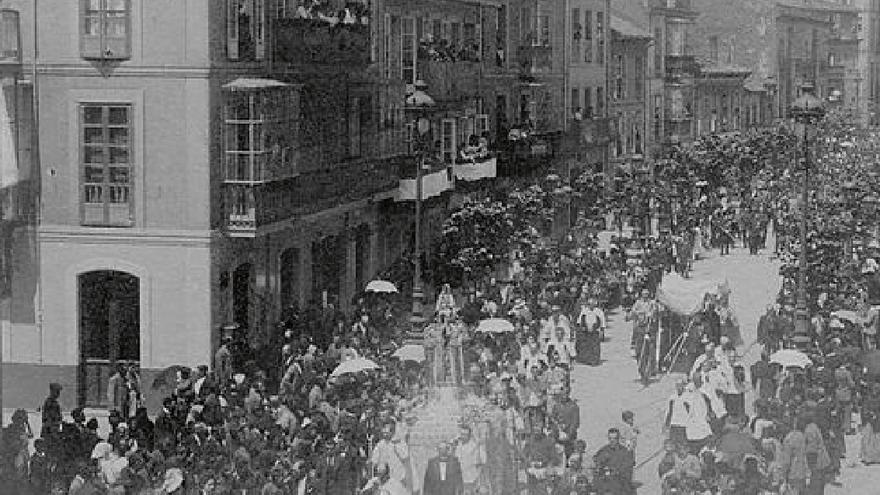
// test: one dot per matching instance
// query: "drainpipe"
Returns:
(37, 178)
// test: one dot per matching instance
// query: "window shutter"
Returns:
(260, 28)
(90, 45)
(447, 141)
(232, 29)
(117, 30)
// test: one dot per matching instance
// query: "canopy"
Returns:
(411, 352)
(791, 357)
(382, 286)
(495, 325)
(253, 84)
(354, 366)
(685, 295)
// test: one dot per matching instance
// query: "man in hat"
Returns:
(472, 457)
(614, 466)
(51, 414)
(567, 414)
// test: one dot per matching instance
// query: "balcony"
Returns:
(534, 59)
(251, 207)
(680, 6)
(316, 42)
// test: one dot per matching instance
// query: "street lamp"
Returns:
(806, 111)
(417, 103)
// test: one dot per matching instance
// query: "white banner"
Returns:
(433, 184)
(485, 169)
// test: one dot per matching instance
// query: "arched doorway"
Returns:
(109, 330)
(241, 295)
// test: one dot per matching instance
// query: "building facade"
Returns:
(629, 90)
(819, 46)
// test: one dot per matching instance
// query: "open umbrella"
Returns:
(354, 366)
(495, 325)
(411, 352)
(381, 286)
(850, 316)
(791, 357)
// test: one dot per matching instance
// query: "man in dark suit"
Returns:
(614, 464)
(443, 475)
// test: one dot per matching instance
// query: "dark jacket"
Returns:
(453, 485)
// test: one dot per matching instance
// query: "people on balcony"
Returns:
(476, 149)
(443, 50)
(350, 14)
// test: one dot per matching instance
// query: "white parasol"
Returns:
(381, 286)
(791, 357)
(495, 325)
(354, 366)
(850, 316)
(411, 352)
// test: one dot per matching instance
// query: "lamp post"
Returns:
(418, 102)
(805, 110)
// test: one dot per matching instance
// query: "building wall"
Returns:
(629, 106)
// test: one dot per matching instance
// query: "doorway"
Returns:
(109, 309)
(241, 295)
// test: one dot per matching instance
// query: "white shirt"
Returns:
(394, 454)
(442, 470)
(698, 426)
(679, 416)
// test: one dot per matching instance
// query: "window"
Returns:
(619, 77)
(639, 83)
(600, 38)
(9, 35)
(437, 30)
(386, 46)
(260, 131)
(455, 34)
(576, 35)
(600, 102)
(588, 36)
(447, 140)
(713, 49)
(575, 104)
(105, 164)
(245, 29)
(408, 49)
(658, 117)
(354, 127)
(526, 31)
(106, 29)
(658, 52)
(544, 30)
(588, 103)
(501, 36)
(481, 125)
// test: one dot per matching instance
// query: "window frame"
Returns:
(413, 47)
(103, 18)
(107, 164)
(451, 150)
(577, 34)
(257, 9)
(600, 37)
(588, 36)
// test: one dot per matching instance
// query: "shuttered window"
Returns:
(106, 164)
(246, 29)
(447, 140)
(105, 29)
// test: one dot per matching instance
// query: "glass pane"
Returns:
(119, 175)
(119, 155)
(94, 5)
(118, 115)
(116, 5)
(93, 135)
(119, 135)
(237, 107)
(92, 194)
(92, 114)
(93, 174)
(114, 26)
(237, 167)
(93, 154)
(238, 136)
(118, 194)
(92, 26)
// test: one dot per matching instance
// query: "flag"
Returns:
(8, 148)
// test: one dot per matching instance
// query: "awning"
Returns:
(433, 184)
(486, 169)
(253, 84)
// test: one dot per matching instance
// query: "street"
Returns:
(604, 392)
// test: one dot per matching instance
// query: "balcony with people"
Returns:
(324, 32)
